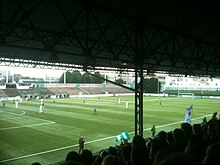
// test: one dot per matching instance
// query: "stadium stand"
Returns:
(62, 91)
(11, 92)
(110, 90)
(2, 94)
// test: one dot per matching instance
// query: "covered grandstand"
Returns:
(176, 37)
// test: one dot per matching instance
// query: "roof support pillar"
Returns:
(139, 100)
(138, 50)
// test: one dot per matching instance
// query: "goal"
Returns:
(188, 95)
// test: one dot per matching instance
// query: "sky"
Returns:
(33, 72)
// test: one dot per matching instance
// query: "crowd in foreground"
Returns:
(197, 144)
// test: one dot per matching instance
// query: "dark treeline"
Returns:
(150, 85)
(76, 77)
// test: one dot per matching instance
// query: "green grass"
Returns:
(27, 136)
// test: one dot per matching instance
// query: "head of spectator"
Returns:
(36, 163)
(87, 157)
(139, 155)
(211, 131)
(112, 151)
(196, 148)
(98, 160)
(197, 130)
(154, 148)
(180, 141)
(110, 160)
(138, 141)
(212, 154)
(73, 156)
(124, 153)
(217, 130)
(162, 137)
(187, 129)
(103, 153)
(169, 138)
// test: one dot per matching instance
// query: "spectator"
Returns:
(124, 153)
(36, 163)
(73, 156)
(138, 140)
(139, 155)
(169, 138)
(110, 160)
(179, 159)
(87, 157)
(212, 155)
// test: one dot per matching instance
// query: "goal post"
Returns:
(186, 95)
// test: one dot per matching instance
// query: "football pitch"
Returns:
(27, 136)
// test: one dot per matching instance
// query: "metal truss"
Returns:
(109, 38)
(95, 39)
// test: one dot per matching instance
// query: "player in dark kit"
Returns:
(81, 144)
(94, 110)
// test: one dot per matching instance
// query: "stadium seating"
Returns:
(62, 91)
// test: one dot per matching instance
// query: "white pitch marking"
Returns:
(106, 138)
(25, 126)
(23, 112)
(28, 116)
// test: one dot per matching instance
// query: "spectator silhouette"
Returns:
(179, 146)
(73, 156)
(187, 129)
(87, 157)
(110, 160)
(36, 163)
(179, 159)
(197, 144)
(139, 155)
(139, 152)
(124, 153)
(169, 138)
(212, 155)
(138, 140)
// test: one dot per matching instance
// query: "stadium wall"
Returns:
(61, 85)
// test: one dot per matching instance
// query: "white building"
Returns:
(191, 83)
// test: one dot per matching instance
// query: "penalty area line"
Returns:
(93, 141)
(23, 114)
(26, 126)
(16, 114)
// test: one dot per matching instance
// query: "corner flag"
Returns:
(188, 115)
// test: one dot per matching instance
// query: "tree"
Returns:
(96, 79)
(69, 78)
(76, 76)
(120, 81)
(86, 78)
(150, 85)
